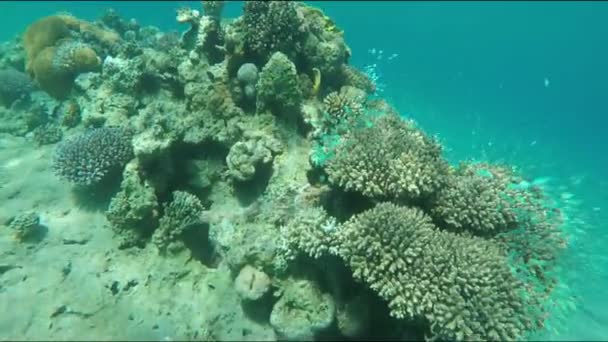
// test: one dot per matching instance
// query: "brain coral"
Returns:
(87, 158)
(389, 159)
(43, 33)
(461, 285)
(55, 67)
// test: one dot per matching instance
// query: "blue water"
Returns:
(522, 82)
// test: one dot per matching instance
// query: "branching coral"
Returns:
(271, 26)
(477, 200)
(87, 158)
(47, 134)
(390, 159)
(461, 285)
(180, 215)
(356, 78)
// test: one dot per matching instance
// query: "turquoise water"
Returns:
(521, 82)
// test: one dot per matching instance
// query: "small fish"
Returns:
(546, 82)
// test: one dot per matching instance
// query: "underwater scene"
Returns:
(303, 171)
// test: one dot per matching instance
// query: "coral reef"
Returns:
(87, 158)
(477, 199)
(257, 173)
(272, 26)
(248, 77)
(244, 156)
(56, 67)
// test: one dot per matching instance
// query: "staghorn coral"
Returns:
(311, 231)
(180, 215)
(461, 285)
(344, 107)
(87, 158)
(390, 159)
(278, 88)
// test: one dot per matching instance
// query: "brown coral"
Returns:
(56, 67)
(43, 33)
